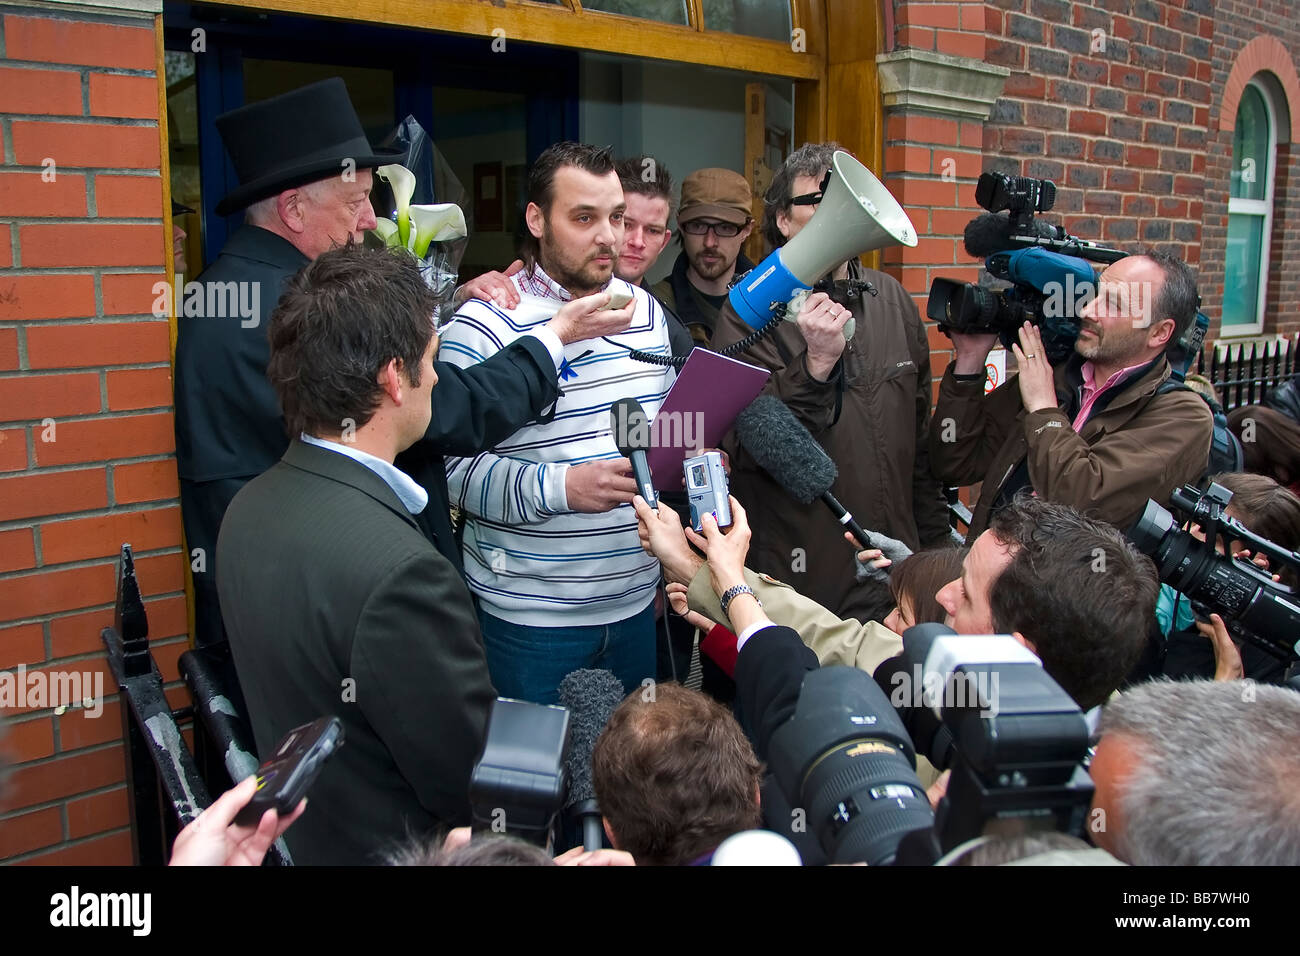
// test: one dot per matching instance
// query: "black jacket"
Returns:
(337, 604)
(228, 423)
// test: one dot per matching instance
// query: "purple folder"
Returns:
(698, 410)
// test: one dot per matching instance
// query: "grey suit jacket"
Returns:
(337, 604)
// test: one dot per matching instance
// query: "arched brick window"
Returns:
(1250, 211)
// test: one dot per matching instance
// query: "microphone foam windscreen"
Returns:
(591, 696)
(991, 233)
(783, 448)
(630, 425)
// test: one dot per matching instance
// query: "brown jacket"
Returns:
(873, 419)
(1135, 445)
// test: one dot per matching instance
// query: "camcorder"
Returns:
(1253, 606)
(1049, 281)
(980, 706)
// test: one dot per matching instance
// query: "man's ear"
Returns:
(744, 233)
(536, 220)
(1162, 334)
(609, 832)
(783, 223)
(390, 380)
(289, 207)
(1024, 640)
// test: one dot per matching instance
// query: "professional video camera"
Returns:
(1253, 606)
(981, 706)
(1050, 282)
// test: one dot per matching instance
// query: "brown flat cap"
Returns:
(716, 194)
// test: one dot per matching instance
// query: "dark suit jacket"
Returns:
(337, 604)
(228, 423)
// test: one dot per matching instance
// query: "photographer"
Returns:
(1093, 433)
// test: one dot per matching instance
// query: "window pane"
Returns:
(1241, 270)
(665, 11)
(1250, 166)
(769, 19)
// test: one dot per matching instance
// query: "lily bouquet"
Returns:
(427, 232)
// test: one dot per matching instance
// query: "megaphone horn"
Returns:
(857, 214)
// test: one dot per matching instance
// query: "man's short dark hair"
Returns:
(1177, 299)
(339, 322)
(646, 176)
(598, 160)
(810, 159)
(1077, 590)
(674, 775)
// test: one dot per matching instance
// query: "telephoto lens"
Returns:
(845, 759)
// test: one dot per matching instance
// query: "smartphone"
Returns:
(282, 780)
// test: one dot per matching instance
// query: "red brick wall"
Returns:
(86, 442)
(1120, 128)
(931, 162)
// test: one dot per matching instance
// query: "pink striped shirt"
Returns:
(1091, 392)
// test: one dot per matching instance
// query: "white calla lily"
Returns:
(436, 223)
(386, 230)
(402, 180)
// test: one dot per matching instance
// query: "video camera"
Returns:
(1253, 606)
(1050, 282)
(980, 706)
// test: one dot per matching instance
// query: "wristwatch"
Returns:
(734, 592)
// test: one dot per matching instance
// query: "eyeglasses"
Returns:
(723, 230)
(807, 199)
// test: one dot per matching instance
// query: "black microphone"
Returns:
(783, 448)
(989, 233)
(591, 696)
(631, 428)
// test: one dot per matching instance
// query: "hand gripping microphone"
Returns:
(591, 696)
(631, 428)
(783, 448)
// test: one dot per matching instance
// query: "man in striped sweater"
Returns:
(551, 548)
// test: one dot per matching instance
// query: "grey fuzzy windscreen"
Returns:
(783, 448)
(591, 696)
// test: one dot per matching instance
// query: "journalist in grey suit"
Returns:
(335, 601)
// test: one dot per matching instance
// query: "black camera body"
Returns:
(1016, 743)
(980, 706)
(1253, 606)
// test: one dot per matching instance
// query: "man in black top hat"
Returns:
(304, 167)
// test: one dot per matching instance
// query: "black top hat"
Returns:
(294, 138)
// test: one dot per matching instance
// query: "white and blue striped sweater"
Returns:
(529, 559)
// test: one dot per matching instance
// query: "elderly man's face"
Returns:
(334, 211)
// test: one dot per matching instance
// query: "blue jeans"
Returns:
(528, 663)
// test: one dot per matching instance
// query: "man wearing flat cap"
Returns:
(304, 166)
(713, 223)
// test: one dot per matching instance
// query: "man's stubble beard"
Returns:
(715, 271)
(579, 279)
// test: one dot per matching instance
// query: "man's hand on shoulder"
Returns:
(590, 318)
(599, 486)
(493, 287)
